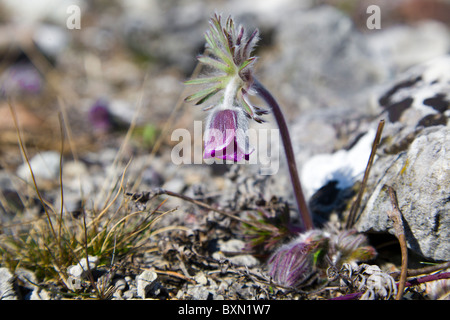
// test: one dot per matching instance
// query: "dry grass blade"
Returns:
(396, 216)
(425, 270)
(146, 196)
(166, 127)
(22, 148)
(355, 206)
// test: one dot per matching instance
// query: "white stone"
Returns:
(344, 166)
(144, 282)
(45, 165)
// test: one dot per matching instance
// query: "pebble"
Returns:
(45, 166)
(201, 279)
(79, 272)
(120, 284)
(146, 283)
(130, 294)
(235, 245)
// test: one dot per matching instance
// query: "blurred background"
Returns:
(127, 61)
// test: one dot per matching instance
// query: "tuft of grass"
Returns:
(50, 244)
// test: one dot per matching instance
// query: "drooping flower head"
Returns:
(225, 136)
(228, 52)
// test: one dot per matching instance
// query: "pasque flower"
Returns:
(228, 53)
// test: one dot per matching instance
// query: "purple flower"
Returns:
(21, 78)
(293, 263)
(100, 117)
(225, 136)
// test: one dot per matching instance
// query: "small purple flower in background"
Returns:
(100, 117)
(225, 136)
(21, 78)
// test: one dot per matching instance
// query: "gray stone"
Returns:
(79, 272)
(146, 283)
(235, 246)
(421, 178)
(130, 294)
(7, 291)
(20, 285)
(120, 284)
(201, 279)
(45, 166)
(200, 293)
(414, 160)
(27, 281)
(404, 46)
(40, 295)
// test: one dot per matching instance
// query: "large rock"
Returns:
(414, 159)
(421, 179)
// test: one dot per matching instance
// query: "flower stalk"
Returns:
(292, 166)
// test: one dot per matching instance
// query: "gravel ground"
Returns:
(76, 92)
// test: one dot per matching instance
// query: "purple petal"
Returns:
(223, 139)
(220, 133)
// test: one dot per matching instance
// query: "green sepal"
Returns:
(247, 63)
(216, 64)
(203, 95)
(207, 80)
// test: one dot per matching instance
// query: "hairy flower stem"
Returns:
(279, 117)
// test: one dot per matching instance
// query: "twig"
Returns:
(350, 296)
(89, 271)
(175, 275)
(147, 196)
(61, 175)
(431, 277)
(409, 283)
(355, 206)
(396, 216)
(425, 270)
